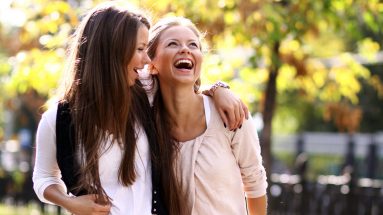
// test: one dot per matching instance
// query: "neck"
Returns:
(185, 110)
(181, 103)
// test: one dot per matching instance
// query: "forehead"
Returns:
(142, 34)
(178, 33)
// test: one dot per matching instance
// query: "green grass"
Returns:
(12, 210)
(31, 209)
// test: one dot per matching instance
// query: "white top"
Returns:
(132, 200)
(218, 168)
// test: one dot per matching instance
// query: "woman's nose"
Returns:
(146, 59)
(185, 49)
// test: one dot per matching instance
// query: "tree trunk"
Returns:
(268, 112)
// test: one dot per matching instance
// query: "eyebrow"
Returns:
(142, 43)
(189, 40)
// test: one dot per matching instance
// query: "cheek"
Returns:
(130, 74)
(198, 55)
(160, 62)
(133, 61)
(199, 59)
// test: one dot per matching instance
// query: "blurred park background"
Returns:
(310, 71)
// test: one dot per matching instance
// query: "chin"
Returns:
(186, 81)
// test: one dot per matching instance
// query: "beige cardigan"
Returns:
(216, 168)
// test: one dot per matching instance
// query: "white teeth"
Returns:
(137, 70)
(184, 61)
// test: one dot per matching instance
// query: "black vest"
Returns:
(65, 155)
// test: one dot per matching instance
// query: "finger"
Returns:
(91, 197)
(102, 213)
(231, 118)
(223, 117)
(103, 208)
(242, 113)
(245, 109)
(238, 118)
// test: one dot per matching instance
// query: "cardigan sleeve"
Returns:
(246, 149)
(46, 171)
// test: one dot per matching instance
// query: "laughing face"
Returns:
(178, 56)
(140, 57)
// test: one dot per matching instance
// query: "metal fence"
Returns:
(357, 189)
(329, 195)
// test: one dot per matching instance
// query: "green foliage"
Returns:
(305, 31)
(32, 46)
(41, 39)
(247, 38)
(36, 69)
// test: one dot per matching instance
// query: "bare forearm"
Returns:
(80, 205)
(257, 206)
(56, 195)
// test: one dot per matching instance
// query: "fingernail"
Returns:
(224, 125)
(235, 130)
(240, 126)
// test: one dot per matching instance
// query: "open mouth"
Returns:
(137, 70)
(184, 64)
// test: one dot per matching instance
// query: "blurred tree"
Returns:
(32, 48)
(263, 48)
(36, 45)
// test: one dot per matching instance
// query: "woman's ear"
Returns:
(152, 69)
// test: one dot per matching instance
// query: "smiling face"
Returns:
(178, 56)
(140, 57)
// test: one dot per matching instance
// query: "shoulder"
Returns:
(49, 116)
(210, 108)
(51, 112)
(215, 121)
(248, 132)
(249, 124)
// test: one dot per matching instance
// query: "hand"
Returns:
(257, 206)
(230, 107)
(86, 205)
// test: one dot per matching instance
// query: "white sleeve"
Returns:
(247, 151)
(46, 171)
(149, 85)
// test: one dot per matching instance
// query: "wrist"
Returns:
(217, 85)
(68, 202)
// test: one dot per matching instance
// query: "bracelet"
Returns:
(215, 87)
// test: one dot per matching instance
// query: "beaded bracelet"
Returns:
(213, 88)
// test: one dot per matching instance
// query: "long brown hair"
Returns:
(169, 147)
(101, 102)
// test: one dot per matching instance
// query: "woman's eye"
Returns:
(194, 45)
(172, 44)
